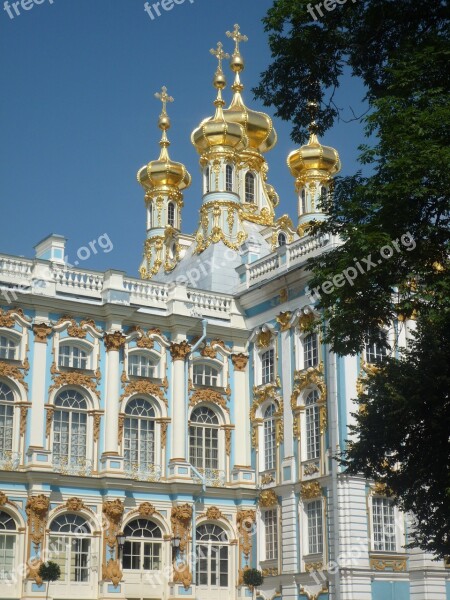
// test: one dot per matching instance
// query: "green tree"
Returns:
(401, 51)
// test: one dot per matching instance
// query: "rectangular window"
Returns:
(310, 351)
(383, 525)
(206, 375)
(7, 348)
(72, 357)
(140, 365)
(315, 527)
(7, 550)
(268, 366)
(271, 534)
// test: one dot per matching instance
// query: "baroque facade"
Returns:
(160, 435)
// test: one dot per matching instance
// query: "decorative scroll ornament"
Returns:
(208, 352)
(97, 422)
(260, 395)
(267, 478)
(3, 499)
(311, 490)
(245, 523)
(144, 386)
(228, 430)
(8, 318)
(268, 499)
(37, 511)
(49, 420)
(75, 504)
(239, 361)
(76, 377)
(180, 519)
(121, 427)
(13, 372)
(41, 332)
(180, 351)
(283, 320)
(306, 321)
(397, 565)
(146, 509)
(112, 572)
(313, 566)
(213, 513)
(23, 419)
(208, 395)
(381, 489)
(113, 511)
(114, 341)
(272, 572)
(264, 339)
(307, 593)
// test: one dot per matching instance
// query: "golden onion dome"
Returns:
(314, 156)
(262, 136)
(164, 172)
(215, 132)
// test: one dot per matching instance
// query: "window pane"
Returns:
(315, 528)
(383, 524)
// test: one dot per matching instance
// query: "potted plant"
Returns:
(49, 571)
(253, 579)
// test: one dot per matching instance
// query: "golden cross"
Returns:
(219, 54)
(237, 37)
(164, 97)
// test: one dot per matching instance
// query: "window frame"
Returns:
(153, 431)
(9, 410)
(207, 365)
(143, 541)
(199, 431)
(87, 413)
(80, 347)
(271, 543)
(72, 546)
(171, 215)
(229, 178)
(13, 340)
(312, 434)
(220, 570)
(395, 538)
(150, 356)
(250, 191)
(315, 542)
(8, 533)
(268, 370)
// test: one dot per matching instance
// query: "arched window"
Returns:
(8, 541)
(143, 546)
(212, 556)
(70, 547)
(204, 439)
(310, 351)
(72, 356)
(312, 418)
(8, 348)
(249, 187)
(269, 438)
(207, 179)
(281, 239)
(69, 428)
(6, 419)
(139, 434)
(205, 375)
(268, 366)
(171, 214)
(303, 202)
(141, 365)
(229, 172)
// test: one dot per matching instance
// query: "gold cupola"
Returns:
(214, 133)
(314, 167)
(262, 136)
(164, 172)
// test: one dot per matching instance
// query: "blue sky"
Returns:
(78, 115)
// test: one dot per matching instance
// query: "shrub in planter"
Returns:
(49, 571)
(253, 578)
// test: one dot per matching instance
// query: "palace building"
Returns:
(160, 435)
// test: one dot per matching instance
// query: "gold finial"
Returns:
(313, 109)
(220, 55)
(164, 122)
(237, 37)
(219, 78)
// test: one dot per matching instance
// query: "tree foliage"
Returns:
(401, 52)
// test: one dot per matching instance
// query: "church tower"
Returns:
(314, 167)
(163, 181)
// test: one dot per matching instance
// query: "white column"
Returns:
(38, 384)
(241, 410)
(179, 352)
(113, 342)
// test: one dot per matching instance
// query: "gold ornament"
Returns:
(41, 332)
(245, 520)
(213, 513)
(310, 490)
(268, 499)
(283, 320)
(37, 510)
(180, 351)
(114, 341)
(146, 509)
(208, 395)
(113, 511)
(239, 361)
(263, 339)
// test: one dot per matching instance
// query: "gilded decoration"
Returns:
(180, 351)
(283, 320)
(23, 419)
(112, 572)
(37, 511)
(310, 595)
(367, 369)
(381, 489)
(208, 395)
(76, 377)
(121, 426)
(41, 332)
(49, 420)
(144, 386)
(77, 331)
(97, 421)
(306, 321)
(267, 478)
(113, 511)
(228, 429)
(395, 564)
(181, 517)
(264, 339)
(164, 423)
(260, 395)
(146, 509)
(3, 499)
(114, 341)
(283, 296)
(239, 361)
(310, 490)
(75, 504)
(302, 380)
(8, 318)
(209, 351)
(213, 513)
(313, 566)
(268, 499)
(13, 372)
(245, 521)
(311, 469)
(271, 572)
